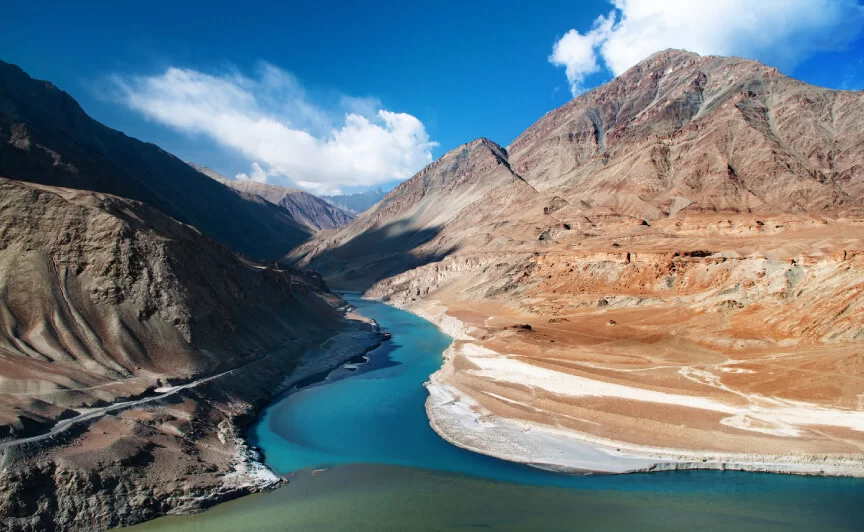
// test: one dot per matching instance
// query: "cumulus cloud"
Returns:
(778, 32)
(257, 174)
(286, 137)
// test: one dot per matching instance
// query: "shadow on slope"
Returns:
(47, 138)
(377, 253)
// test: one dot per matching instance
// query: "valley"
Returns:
(652, 268)
(664, 274)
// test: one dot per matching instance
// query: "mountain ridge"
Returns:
(47, 138)
(356, 203)
(305, 208)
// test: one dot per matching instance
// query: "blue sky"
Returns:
(263, 90)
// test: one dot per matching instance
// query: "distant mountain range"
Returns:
(358, 202)
(305, 208)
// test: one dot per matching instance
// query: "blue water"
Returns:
(376, 415)
(385, 469)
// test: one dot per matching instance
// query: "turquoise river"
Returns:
(360, 455)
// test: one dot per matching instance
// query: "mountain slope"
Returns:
(107, 306)
(98, 289)
(669, 267)
(680, 131)
(305, 208)
(422, 219)
(46, 138)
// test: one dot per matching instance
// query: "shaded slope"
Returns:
(46, 138)
(447, 205)
(102, 297)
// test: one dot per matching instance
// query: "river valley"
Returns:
(358, 452)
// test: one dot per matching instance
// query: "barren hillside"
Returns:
(670, 263)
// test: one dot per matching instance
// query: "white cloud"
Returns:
(274, 123)
(575, 52)
(778, 32)
(258, 175)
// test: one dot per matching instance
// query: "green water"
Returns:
(386, 469)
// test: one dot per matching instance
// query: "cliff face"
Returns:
(691, 228)
(46, 138)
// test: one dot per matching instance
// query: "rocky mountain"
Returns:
(305, 208)
(357, 202)
(46, 138)
(105, 299)
(424, 219)
(668, 264)
(678, 134)
(136, 347)
(699, 134)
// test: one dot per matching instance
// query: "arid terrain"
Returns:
(107, 303)
(135, 349)
(666, 272)
(671, 265)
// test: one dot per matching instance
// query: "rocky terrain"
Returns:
(135, 347)
(106, 300)
(46, 138)
(668, 265)
(304, 208)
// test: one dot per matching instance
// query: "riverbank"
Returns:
(460, 415)
(177, 453)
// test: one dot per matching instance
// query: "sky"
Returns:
(346, 96)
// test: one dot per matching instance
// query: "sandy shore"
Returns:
(461, 420)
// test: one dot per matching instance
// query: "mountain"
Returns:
(357, 202)
(676, 135)
(705, 134)
(106, 299)
(448, 202)
(667, 266)
(99, 289)
(46, 138)
(136, 347)
(305, 208)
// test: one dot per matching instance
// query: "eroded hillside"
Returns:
(670, 263)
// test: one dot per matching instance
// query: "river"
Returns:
(363, 457)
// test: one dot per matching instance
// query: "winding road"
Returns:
(92, 413)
